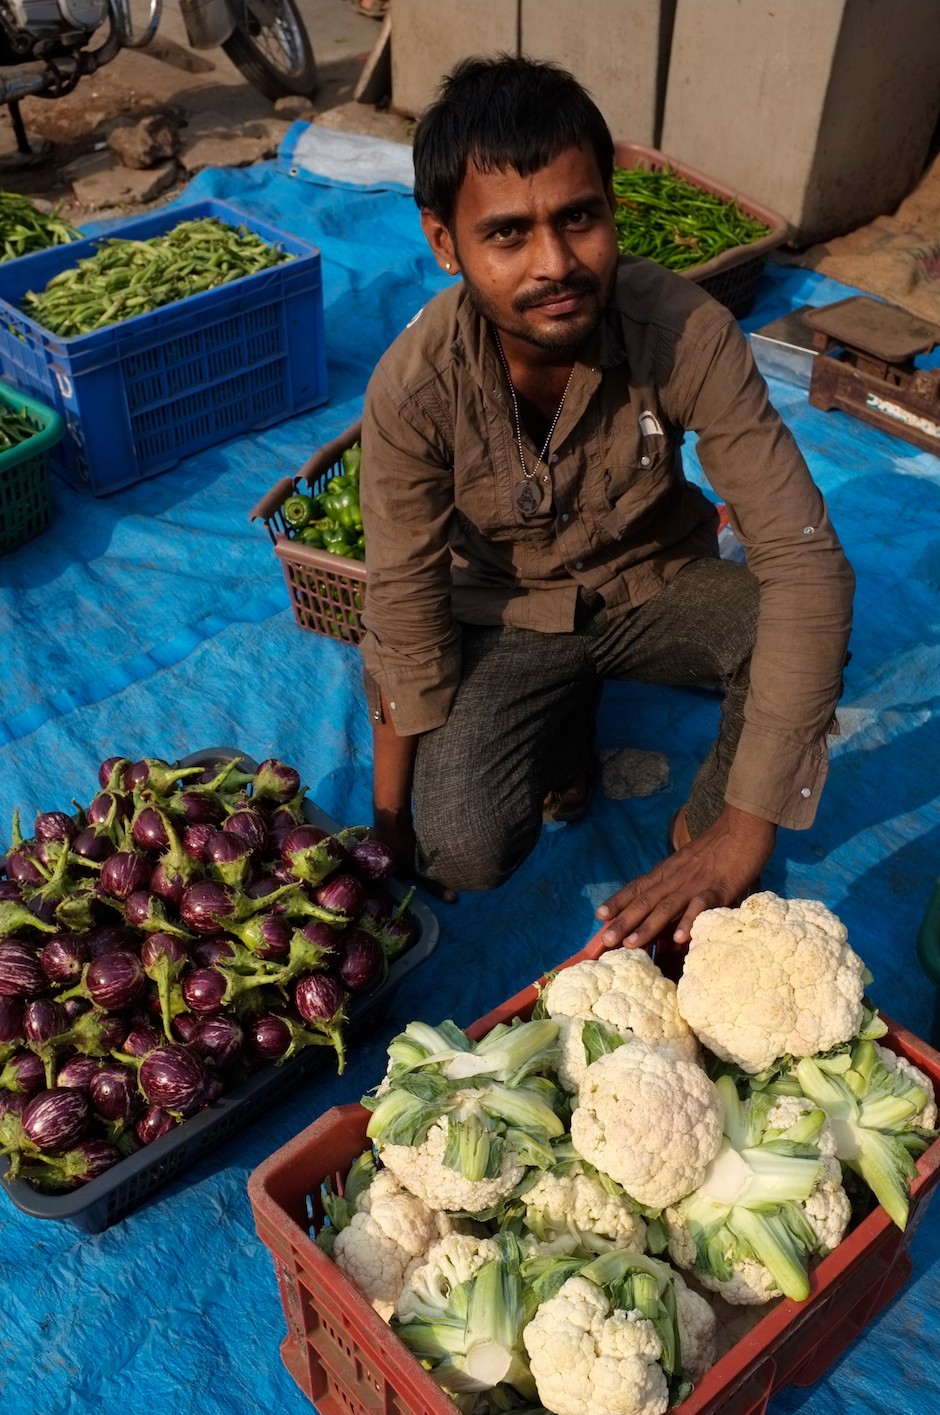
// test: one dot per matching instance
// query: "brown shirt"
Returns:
(446, 543)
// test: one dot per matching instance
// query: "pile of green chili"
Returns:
(24, 228)
(126, 277)
(15, 427)
(665, 218)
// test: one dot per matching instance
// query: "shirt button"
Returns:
(579, 564)
(393, 706)
(808, 530)
(806, 792)
(565, 516)
(554, 457)
(644, 461)
(377, 715)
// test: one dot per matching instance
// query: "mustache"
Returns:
(580, 284)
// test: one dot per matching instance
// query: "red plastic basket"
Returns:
(326, 591)
(733, 276)
(346, 1359)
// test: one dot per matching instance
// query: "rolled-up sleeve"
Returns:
(806, 582)
(411, 647)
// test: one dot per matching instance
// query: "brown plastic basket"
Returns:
(326, 591)
(733, 276)
(348, 1362)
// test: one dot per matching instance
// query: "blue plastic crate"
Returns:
(138, 396)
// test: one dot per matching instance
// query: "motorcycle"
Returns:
(49, 46)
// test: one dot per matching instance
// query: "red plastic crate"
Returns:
(349, 1362)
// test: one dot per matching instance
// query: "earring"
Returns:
(447, 265)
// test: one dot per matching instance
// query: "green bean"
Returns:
(24, 228)
(661, 216)
(129, 277)
(15, 427)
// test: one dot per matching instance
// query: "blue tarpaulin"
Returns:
(155, 622)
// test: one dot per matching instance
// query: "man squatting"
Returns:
(530, 531)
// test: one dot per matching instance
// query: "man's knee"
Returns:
(470, 854)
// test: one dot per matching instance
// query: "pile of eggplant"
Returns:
(185, 928)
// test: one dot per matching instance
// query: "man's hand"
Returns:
(712, 870)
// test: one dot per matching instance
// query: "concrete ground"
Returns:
(222, 121)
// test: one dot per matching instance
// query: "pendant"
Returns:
(528, 497)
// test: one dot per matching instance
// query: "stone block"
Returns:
(429, 36)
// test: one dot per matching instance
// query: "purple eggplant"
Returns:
(108, 811)
(342, 896)
(113, 981)
(77, 1072)
(249, 825)
(91, 845)
(11, 1019)
(23, 868)
(111, 772)
(362, 963)
(146, 912)
(220, 1039)
(154, 1124)
(174, 1077)
(125, 872)
(229, 859)
(209, 907)
(268, 937)
(15, 916)
(57, 1119)
(62, 958)
(55, 825)
(96, 1033)
(13, 1103)
(114, 1094)
(196, 838)
(275, 781)
(164, 958)
(184, 1025)
(142, 1039)
(198, 806)
(23, 1072)
(21, 973)
(273, 1037)
(10, 892)
(110, 938)
(154, 774)
(43, 1019)
(207, 952)
(320, 1001)
(149, 830)
(313, 859)
(372, 860)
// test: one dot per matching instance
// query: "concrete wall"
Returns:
(429, 36)
(617, 48)
(822, 110)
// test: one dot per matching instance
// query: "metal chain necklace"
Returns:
(527, 494)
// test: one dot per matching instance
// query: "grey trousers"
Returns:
(521, 723)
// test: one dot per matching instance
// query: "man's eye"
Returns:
(505, 233)
(577, 218)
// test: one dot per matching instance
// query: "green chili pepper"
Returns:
(661, 216)
(298, 511)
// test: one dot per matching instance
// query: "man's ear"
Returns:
(441, 242)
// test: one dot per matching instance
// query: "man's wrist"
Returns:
(397, 815)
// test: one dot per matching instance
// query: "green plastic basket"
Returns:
(24, 471)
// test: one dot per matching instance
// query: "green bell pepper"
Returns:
(298, 510)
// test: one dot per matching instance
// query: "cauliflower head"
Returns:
(650, 1120)
(828, 1206)
(579, 1208)
(588, 1359)
(389, 1230)
(769, 978)
(431, 1279)
(627, 993)
(698, 1331)
(927, 1118)
(421, 1170)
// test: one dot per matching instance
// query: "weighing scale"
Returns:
(873, 376)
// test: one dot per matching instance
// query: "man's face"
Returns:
(538, 253)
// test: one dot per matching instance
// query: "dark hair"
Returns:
(500, 113)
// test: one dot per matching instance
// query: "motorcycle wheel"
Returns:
(269, 45)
